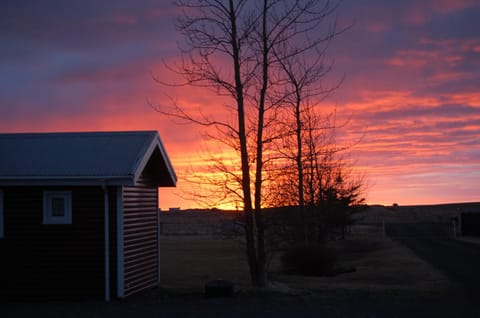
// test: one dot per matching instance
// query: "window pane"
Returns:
(58, 207)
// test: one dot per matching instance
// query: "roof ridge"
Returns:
(142, 151)
(77, 133)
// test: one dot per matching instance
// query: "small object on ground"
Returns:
(219, 288)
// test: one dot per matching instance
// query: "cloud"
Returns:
(77, 24)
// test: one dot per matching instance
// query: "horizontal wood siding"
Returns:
(140, 206)
(44, 261)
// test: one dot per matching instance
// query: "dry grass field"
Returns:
(194, 253)
(188, 262)
(381, 264)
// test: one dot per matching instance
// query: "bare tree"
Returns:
(333, 192)
(239, 49)
(302, 68)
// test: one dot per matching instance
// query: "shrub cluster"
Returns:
(310, 260)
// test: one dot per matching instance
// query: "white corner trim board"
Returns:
(1, 214)
(120, 250)
(106, 221)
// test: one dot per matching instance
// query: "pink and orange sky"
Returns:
(412, 86)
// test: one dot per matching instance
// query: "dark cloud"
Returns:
(461, 24)
(85, 23)
(59, 57)
(416, 112)
(381, 31)
(447, 87)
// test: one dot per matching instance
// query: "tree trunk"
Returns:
(260, 224)
(299, 159)
(247, 200)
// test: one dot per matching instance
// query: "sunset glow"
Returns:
(411, 95)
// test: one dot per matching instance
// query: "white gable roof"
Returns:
(109, 157)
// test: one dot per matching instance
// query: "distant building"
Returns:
(468, 219)
(79, 213)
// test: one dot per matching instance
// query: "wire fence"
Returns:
(207, 222)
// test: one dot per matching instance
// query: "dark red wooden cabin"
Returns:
(79, 213)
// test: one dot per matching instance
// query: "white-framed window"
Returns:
(57, 207)
(1, 214)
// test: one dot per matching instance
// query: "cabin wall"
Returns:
(140, 210)
(54, 260)
(112, 205)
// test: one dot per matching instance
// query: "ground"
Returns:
(400, 272)
(381, 264)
